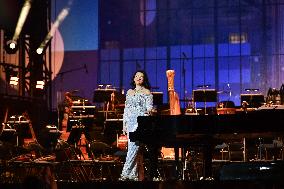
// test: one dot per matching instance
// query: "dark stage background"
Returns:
(229, 45)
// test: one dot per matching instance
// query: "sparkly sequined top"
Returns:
(138, 104)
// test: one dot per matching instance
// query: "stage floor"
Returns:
(105, 174)
(204, 184)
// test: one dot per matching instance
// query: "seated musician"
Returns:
(139, 102)
(64, 112)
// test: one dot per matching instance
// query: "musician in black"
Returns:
(64, 109)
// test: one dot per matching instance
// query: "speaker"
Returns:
(262, 171)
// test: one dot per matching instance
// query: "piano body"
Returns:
(203, 130)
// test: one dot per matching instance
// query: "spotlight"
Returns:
(44, 45)
(11, 47)
(39, 50)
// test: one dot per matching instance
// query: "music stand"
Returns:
(49, 136)
(103, 95)
(112, 129)
(8, 135)
(253, 100)
(204, 95)
(22, 130)
(75, 134)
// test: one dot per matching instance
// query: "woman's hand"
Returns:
(149, 113)
(124, 129)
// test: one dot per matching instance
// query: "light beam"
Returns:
(62, 15)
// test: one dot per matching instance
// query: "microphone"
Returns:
(86, 68)
(138, 66)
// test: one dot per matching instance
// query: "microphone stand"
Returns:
(73, 70)
(184, 57)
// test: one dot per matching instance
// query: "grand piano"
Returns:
(185, 130)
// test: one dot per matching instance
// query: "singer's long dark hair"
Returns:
(145, 83)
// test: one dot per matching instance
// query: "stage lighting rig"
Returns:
(11, 46)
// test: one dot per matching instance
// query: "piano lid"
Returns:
(246, 124)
